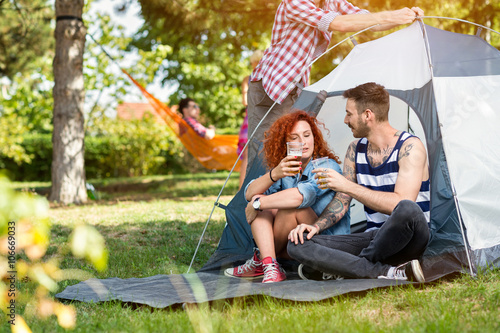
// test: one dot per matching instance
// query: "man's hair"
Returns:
(256, 56)
(371, 96)
(183, 103)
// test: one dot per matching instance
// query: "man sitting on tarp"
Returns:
(387, 171)
(190, 114)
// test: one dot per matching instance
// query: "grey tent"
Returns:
(444, 86)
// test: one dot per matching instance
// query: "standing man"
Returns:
(301, 33)
(386, 170)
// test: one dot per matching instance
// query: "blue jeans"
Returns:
(403, 237)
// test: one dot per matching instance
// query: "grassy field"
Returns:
(152, 226)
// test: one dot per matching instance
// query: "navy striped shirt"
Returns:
(383, 178)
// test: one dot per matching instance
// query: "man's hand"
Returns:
(297, 234)
(329, 178)
(404, 15)
(418, 11)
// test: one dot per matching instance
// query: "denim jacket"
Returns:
(313, 196)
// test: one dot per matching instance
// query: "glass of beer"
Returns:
(320, 163)
(294, 149)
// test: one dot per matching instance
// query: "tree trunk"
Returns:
(68, 172)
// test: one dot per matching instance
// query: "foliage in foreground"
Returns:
(154, 229)
(24, 239)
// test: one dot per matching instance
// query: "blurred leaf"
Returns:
(20, 326)
(86, 242)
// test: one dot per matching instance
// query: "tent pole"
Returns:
(460, 221)
(293, 83)
(465, 21)
(431, 67)
(224, 186)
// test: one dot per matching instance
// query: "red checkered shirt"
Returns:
(300, 34)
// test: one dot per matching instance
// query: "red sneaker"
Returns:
(252, 269)
(272, 271)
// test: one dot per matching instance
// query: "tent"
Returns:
(445, 87)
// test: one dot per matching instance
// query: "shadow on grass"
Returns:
(150, 188)
(147, 249)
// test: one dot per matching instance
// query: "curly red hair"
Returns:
(276, 138)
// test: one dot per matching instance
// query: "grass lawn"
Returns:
(152, 226)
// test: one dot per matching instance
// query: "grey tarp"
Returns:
(162, 291)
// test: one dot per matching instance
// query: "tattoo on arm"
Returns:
(350, 163)
(351, 152)
(334, 212)
(406, 150)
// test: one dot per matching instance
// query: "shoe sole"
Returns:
(274, 281)
(301, 275)
(417, 271)
(245, 277)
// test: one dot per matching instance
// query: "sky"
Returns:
(132, 21)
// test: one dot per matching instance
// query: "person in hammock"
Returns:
(286, 195)
(190, 114)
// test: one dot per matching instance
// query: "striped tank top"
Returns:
(383, 178)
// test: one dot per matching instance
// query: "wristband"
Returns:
(317, 226)
(271, 176)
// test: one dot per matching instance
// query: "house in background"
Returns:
(130, 111)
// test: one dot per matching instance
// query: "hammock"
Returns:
(218, 153)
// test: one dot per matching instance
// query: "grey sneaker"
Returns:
(409, 271)
(307, 273)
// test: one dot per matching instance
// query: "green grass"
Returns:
(155, 230)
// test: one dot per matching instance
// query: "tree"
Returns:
(210, 38)
(68, 173)
(210, 43)
(24, 34)
(25, 42)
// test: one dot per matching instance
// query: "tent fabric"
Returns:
(218, 153)
(426, 69)
(442, 84)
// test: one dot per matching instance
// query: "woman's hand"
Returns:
(250, 212)
(289, 166)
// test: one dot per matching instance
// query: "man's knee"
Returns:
(408, 209)
(295, 250)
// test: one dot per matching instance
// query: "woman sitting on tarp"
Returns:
(190, 114)
(287, 195)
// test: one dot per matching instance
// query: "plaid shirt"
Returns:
(300, 34)
(195, 125)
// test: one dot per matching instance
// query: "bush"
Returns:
(113, 148)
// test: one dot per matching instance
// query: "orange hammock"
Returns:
(218, 153)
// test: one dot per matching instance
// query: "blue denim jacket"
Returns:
(313, 196)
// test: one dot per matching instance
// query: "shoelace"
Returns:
(249, 265)
(270, 271)
(400, 273)
(332, 277)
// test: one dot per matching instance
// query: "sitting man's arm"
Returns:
(412, 161)
(336, 209)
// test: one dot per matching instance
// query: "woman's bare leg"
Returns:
(285, 221)
(262, 231)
